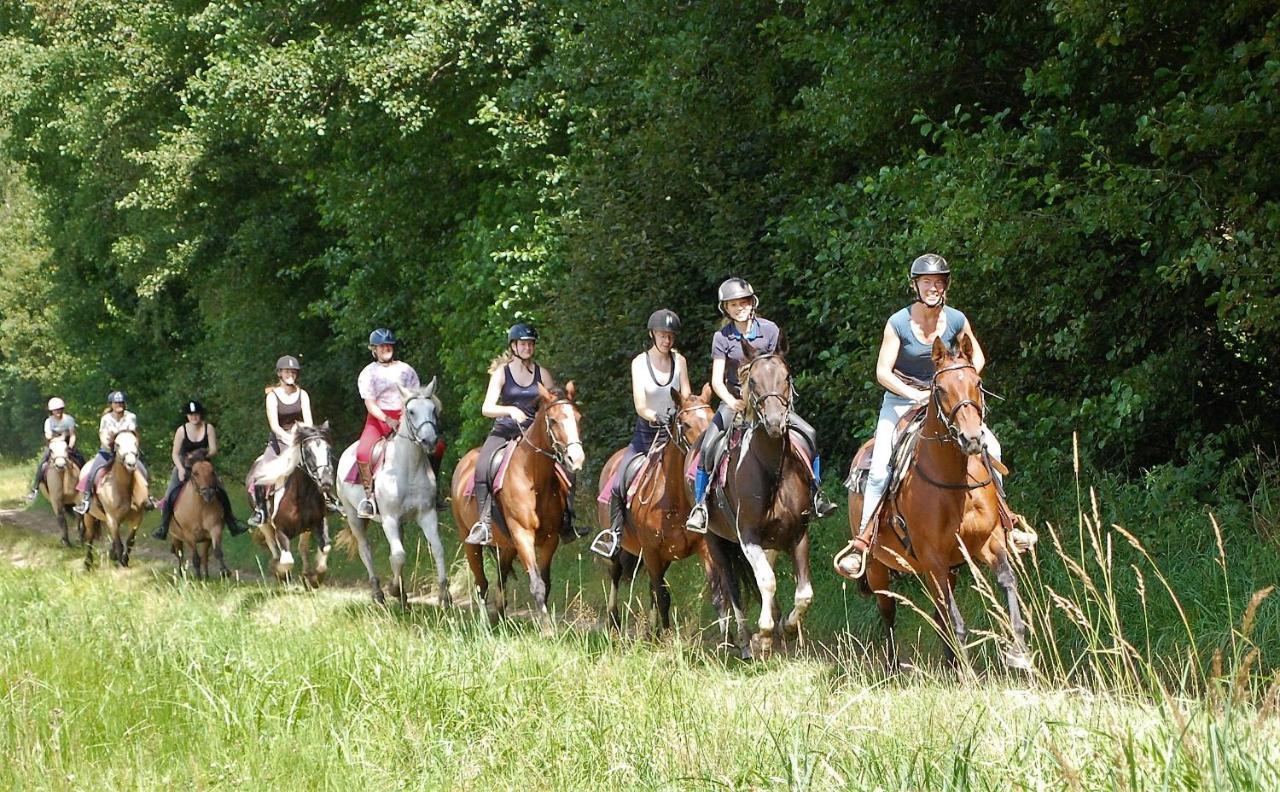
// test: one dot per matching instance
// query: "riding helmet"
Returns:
(116, 397)
(193, 406)
(382, 336)
(521, 331)
(288, 362)
(56, 404)
(930, 264)
(735, 289)
(664, 319)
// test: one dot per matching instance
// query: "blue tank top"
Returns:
(915, 358)
(513, 394)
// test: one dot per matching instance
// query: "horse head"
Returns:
(692, 416)
(125, 448)
(316, 453)
(766, 388)
(58, 452)
(201, 472)
(560, 417)
(421, 417)
(957, 386)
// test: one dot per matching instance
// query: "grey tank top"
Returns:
(915, 358)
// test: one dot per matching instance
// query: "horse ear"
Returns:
(782, 347)
(676, 398)
(544, 394)
(748, 351)
(324, 427)
(939, 353)
(706, 392)
(966, 348)
(570, 389)
(430, 390)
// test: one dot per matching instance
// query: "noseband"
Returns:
(948, 418)
(673, 420)
(756, 400)
(415, 431)
(559, 451)
(313, 468)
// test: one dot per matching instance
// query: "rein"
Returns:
(953, 432)
(415, 432)
(558, 449)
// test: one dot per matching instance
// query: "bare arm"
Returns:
(979, 357)
(71, 439)
(491, 408)
(212, 434)
(889, 346)
(306, 408)
(721, 387)
(174, 453)
(548, 381)
(372, 406)
(686, 390)
(637, 390)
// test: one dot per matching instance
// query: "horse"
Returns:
(945, 512)
(653, 531)
(764, 505)
(299, 504)
(530, 506)
(197, 519)
(405, 488)
(61, 474)
(119, 502)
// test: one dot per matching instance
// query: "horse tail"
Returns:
(732, 570)
(346, 542)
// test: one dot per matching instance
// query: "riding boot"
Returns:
(697, 520)
(228, 517)
(481, 533)
(366, 508)
(821, 506)
(82, 508)
(259, 506)
(608, 541)
(166, 515)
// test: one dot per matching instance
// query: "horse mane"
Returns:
(199, 455)
(280, 467)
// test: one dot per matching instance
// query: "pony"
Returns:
(61, 474)
(530, 506)
(944, 513)
(196, 524)
(653, 531)
(764, 505)
(405, 487)
(299, 502)
(118, 502)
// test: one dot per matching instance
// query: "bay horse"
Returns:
(61, 473)
(764, 505)
(529, 508)
(118, 502)
(405, 488)
(299, 503)
(945, 511)
(197, 520)
(653, 531)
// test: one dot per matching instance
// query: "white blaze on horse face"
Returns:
(127, 449)
(58, 453)
(568, 422)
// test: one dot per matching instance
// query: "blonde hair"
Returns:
(501, 360)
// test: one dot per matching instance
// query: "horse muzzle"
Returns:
(575, 457)
(208, 493)
(60, 464)
(969, 444)
(130, 461)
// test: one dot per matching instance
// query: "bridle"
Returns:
(948, 419)
(756, 400)
(415, 430)
(559, 451)
(673, 419)
(314, 469)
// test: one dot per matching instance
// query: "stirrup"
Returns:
(257, 518)
(844, 561)
(332, 504)
(821, 506)
(366, 508)
(697, 520)
(32, 495)
(82, 507)
(481, 534)
(606, 543)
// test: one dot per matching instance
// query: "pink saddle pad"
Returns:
(353, 473)
(606, 494)
(469, 486)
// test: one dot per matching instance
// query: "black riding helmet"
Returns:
(929, 264)
(520, 331)
(664, 319)
(193, 406)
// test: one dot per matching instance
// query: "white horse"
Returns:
(405, 488)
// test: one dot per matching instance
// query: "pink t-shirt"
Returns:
(379, 382)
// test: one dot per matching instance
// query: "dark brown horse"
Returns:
(299, 506)
(530, 506)
(764, 506)
(653, 531)
(945, 511)
(196, 524)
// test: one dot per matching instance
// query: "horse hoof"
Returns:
(445, 599)
(1018, 661)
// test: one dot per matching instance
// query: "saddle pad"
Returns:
(375, 457)
(499, 476)
(633, 483)
(862, 459)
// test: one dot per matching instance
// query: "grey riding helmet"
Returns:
(382, 336)
(735, 289)
(116, 397)
(664, 319)
(930, 264)
(288, 362)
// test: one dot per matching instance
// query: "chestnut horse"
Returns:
(118, 502)
(529, 508)
(764, 505)
(945, 511)
(196, 524)
(299, 505)
(653, 531)
(59, 480)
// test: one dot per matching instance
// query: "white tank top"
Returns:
(657, 386)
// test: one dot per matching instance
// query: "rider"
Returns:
(58, 424)
(905, 368)
(511, 398)
(116, 418)
(192, 436)
(654, 373)
(286, 404)
(737, 301)
(384, 403)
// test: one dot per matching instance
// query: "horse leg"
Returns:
(719, 598)
(1017, 658)
(659, 591)
(358, 525)
(767, 582)
(728, 584)
(223, 571)
(877, 577)
(127, 544)
(804, 587)
(429, 521)
(195, 559)
(506, 561)
(950, 623)
(475, 560)
(88, 533)
(617, 567)
(523, 539)
(391, 528)
(284, 567)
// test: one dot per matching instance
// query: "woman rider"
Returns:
(382, 400)
(194, 435)
(654, 373)
(58, 424)
(116, 418)
(905, 368)
(737, 302)
(512, 399)
(286, 404)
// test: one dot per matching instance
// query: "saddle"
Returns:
(631, 476)
(730, 440)
(493, 469)
(375, 463)
(906, 435)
